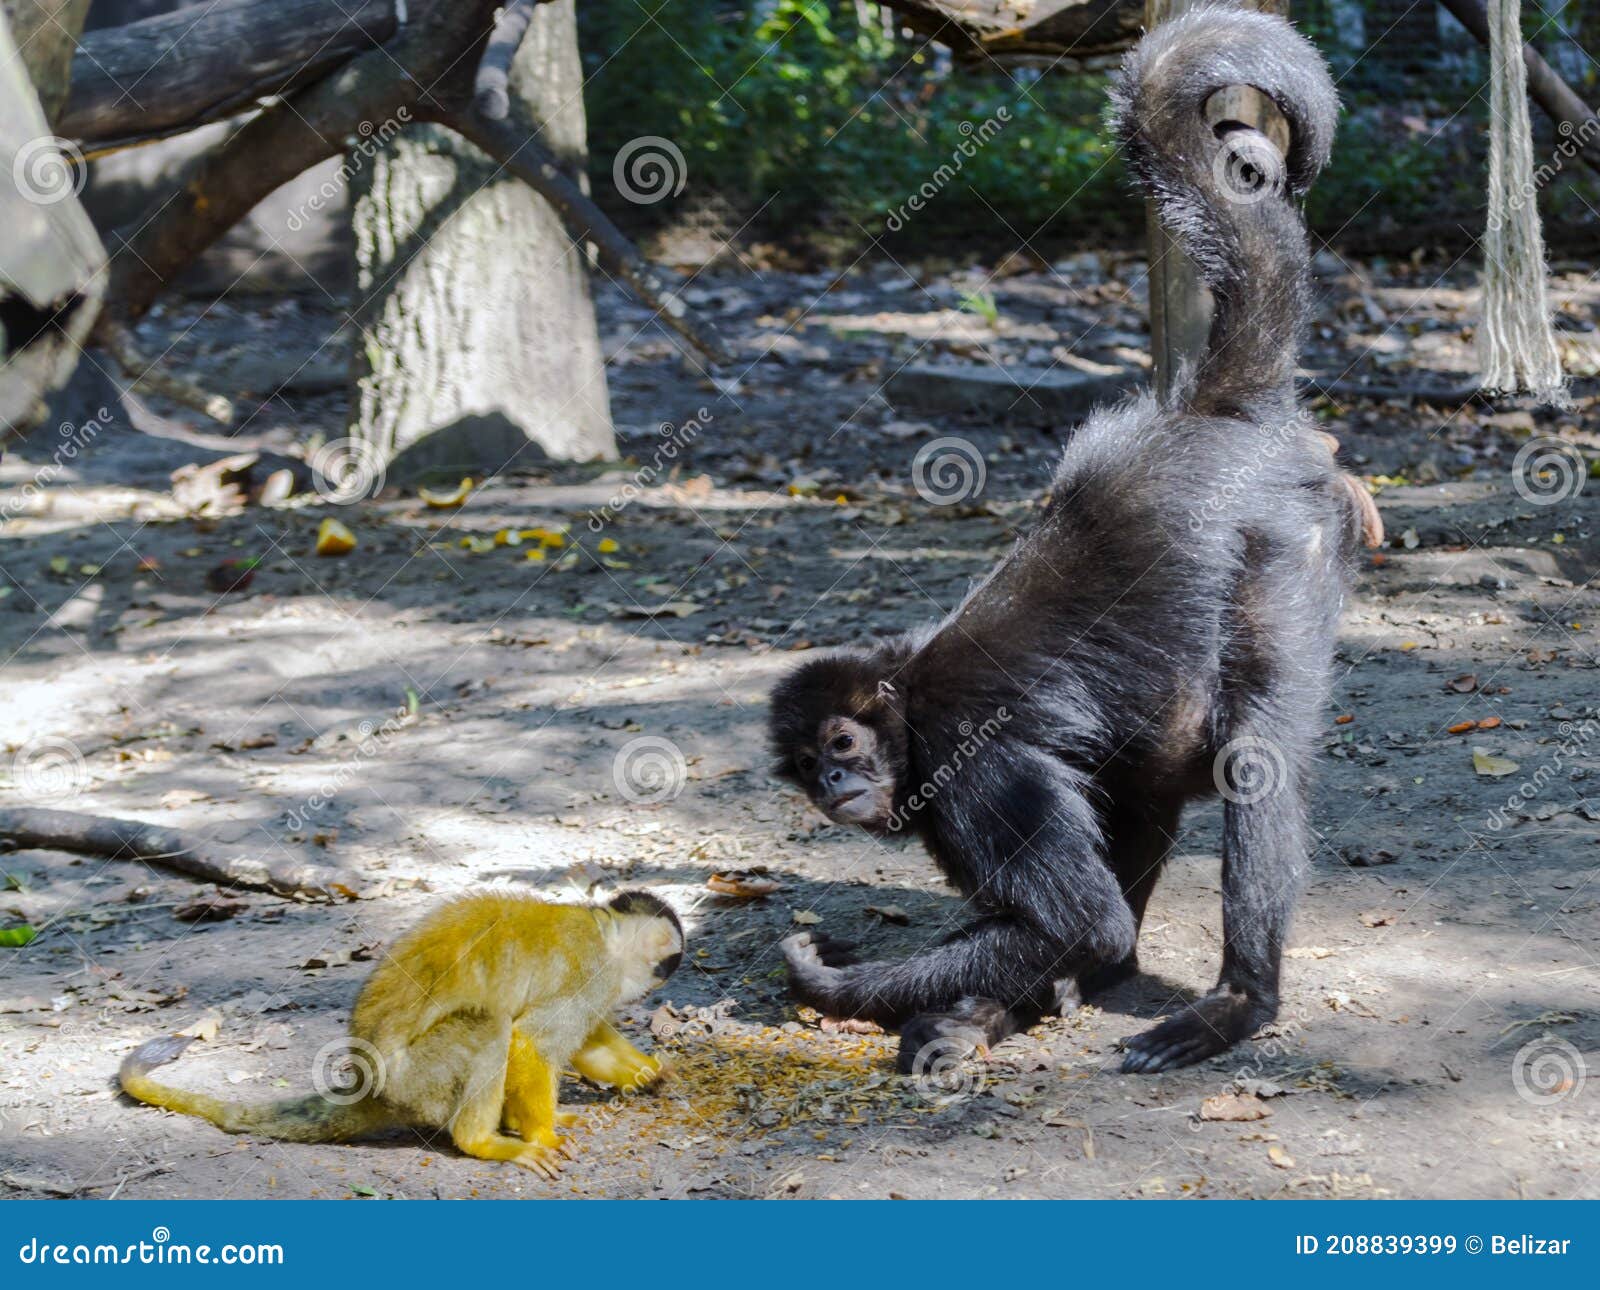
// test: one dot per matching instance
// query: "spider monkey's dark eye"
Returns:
(844, 743)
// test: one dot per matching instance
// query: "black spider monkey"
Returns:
(1165, 631)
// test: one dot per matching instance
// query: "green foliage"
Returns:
(821, 120)
(807, 116)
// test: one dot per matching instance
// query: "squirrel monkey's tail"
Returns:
(294, 1119)
(1223, 188)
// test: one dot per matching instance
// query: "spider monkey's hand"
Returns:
(815, 960)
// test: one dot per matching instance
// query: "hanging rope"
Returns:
(1516, 344)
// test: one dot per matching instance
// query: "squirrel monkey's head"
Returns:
(649, 941)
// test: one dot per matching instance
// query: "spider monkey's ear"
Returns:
(889, 699)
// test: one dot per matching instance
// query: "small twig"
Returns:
(138, 1175)
(27, 1182)
(532, 163)
(35, 828)
(492, 88)
(145, 375)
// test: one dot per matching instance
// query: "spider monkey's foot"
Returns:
(1205, 1028)
(936, 1040)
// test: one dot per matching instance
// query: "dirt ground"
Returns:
(430, 717)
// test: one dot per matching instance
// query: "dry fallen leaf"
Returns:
(891, 914)
(667, 609)
(1234, 1108)
(1280, 1157)
(1486, 763)
(806, 918)
(1379, 918)
(210, 909)
(1466, 683)
(743, 884)
(205, 1029)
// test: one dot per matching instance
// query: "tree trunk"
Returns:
(46, 31)
(52, 267)
(478, 334)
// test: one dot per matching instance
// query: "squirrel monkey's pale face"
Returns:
(650, 943)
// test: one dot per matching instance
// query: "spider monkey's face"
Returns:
(843, 772)
(838, 732)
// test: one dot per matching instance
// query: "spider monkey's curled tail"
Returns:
(1224, 190)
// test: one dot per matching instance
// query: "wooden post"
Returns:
(1180, 305)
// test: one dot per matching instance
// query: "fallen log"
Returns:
(38, 829)
(180, 70)
(1019, 30)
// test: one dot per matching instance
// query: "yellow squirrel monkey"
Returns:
(467, 1025)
